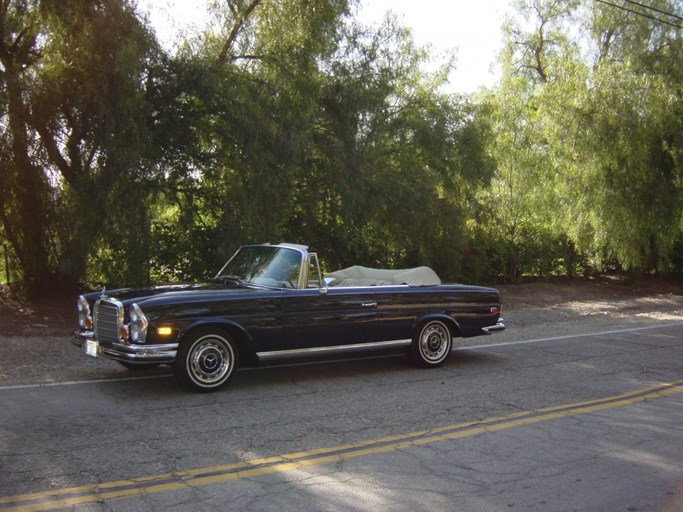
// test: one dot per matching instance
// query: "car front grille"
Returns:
(108, 320)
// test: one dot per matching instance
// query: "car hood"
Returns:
(175, 292)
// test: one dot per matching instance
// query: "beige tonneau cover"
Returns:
(364, 276)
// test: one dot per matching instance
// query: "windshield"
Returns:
(264, 265)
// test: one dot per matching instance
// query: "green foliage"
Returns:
(77, 119)
(341, 142)
(123, 163)
(588, 138)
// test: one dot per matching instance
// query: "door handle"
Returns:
(369, 305)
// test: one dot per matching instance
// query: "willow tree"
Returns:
(246, 91)
(598, 110)
(631, 143)
(528, 111)
(24, 193)
(325, 132)
(77, 122)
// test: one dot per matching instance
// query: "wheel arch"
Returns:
(238, 333)
(449, 321)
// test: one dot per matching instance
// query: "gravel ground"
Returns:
(37, 350)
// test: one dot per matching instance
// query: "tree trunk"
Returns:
(28, 187)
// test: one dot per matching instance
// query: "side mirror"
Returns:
(325, 288)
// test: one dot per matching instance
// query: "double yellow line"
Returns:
(62, 498)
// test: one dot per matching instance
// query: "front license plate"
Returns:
(92, 348)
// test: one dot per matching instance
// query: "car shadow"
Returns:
(279, 377)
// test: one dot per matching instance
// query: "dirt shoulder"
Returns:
(35, 336)
(569, 307)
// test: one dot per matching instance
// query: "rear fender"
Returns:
(451, 323)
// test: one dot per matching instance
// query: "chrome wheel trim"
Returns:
(435, 342)
(211, 360)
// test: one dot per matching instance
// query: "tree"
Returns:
(320, 131)
(600, 119)
(78, 123)
(630, 121)
(24, 194)
(531, 118)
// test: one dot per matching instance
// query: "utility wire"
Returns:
(638, 13)
(665, 13)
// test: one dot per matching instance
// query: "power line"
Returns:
(644, 15)
(665, 13)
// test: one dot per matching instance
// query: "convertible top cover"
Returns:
(364, 276)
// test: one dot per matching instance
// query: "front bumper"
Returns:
(126, 352)
(500, 326)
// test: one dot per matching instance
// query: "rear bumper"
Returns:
(500, 326)
(126, 352)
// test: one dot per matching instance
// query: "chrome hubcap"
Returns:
(434, 342)
(211, 360)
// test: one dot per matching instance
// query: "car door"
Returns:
(341, 316)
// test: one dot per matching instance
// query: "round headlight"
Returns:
(138, 324)
(84, 318)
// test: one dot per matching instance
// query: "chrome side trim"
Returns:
(337, 349)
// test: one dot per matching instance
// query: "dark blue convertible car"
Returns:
(271, 302)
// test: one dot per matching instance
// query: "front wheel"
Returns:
(432, 343)
(206, 359)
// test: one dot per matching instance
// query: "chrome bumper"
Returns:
(128, 352)
(500, 326)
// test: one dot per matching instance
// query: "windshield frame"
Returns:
(266, 266)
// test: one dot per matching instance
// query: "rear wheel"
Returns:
(432, 344)
(206, 360)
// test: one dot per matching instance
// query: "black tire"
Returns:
(432, 344)
(138, 366)
(206, 360)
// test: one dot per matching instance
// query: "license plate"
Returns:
(92, 348)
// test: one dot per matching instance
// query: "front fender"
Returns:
(241, 336)
(234, 328)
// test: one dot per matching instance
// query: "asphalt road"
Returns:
(579, 422)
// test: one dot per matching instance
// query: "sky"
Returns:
(471, 27)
